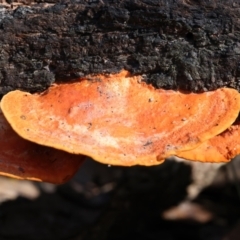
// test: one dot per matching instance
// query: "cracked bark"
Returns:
(186, 44)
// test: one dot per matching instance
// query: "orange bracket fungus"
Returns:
(220, 148)
(117, 119)
(22, 159)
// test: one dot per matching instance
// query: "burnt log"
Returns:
(191, 45)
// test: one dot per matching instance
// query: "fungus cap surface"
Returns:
(23, 159)
(221, 148)
(119, 120)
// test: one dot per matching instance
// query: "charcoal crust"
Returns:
(185, 44)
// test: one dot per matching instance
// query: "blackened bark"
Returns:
(175, 44)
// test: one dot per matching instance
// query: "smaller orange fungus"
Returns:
(117, 119)
(22, 159)
(220, 148)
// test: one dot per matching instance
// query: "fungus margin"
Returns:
(23, 159)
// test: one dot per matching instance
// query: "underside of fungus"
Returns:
(22, 159)
(119, 120)
(220, 148)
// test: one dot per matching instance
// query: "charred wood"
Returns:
(174, 44)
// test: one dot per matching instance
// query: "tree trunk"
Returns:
(175, 44)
